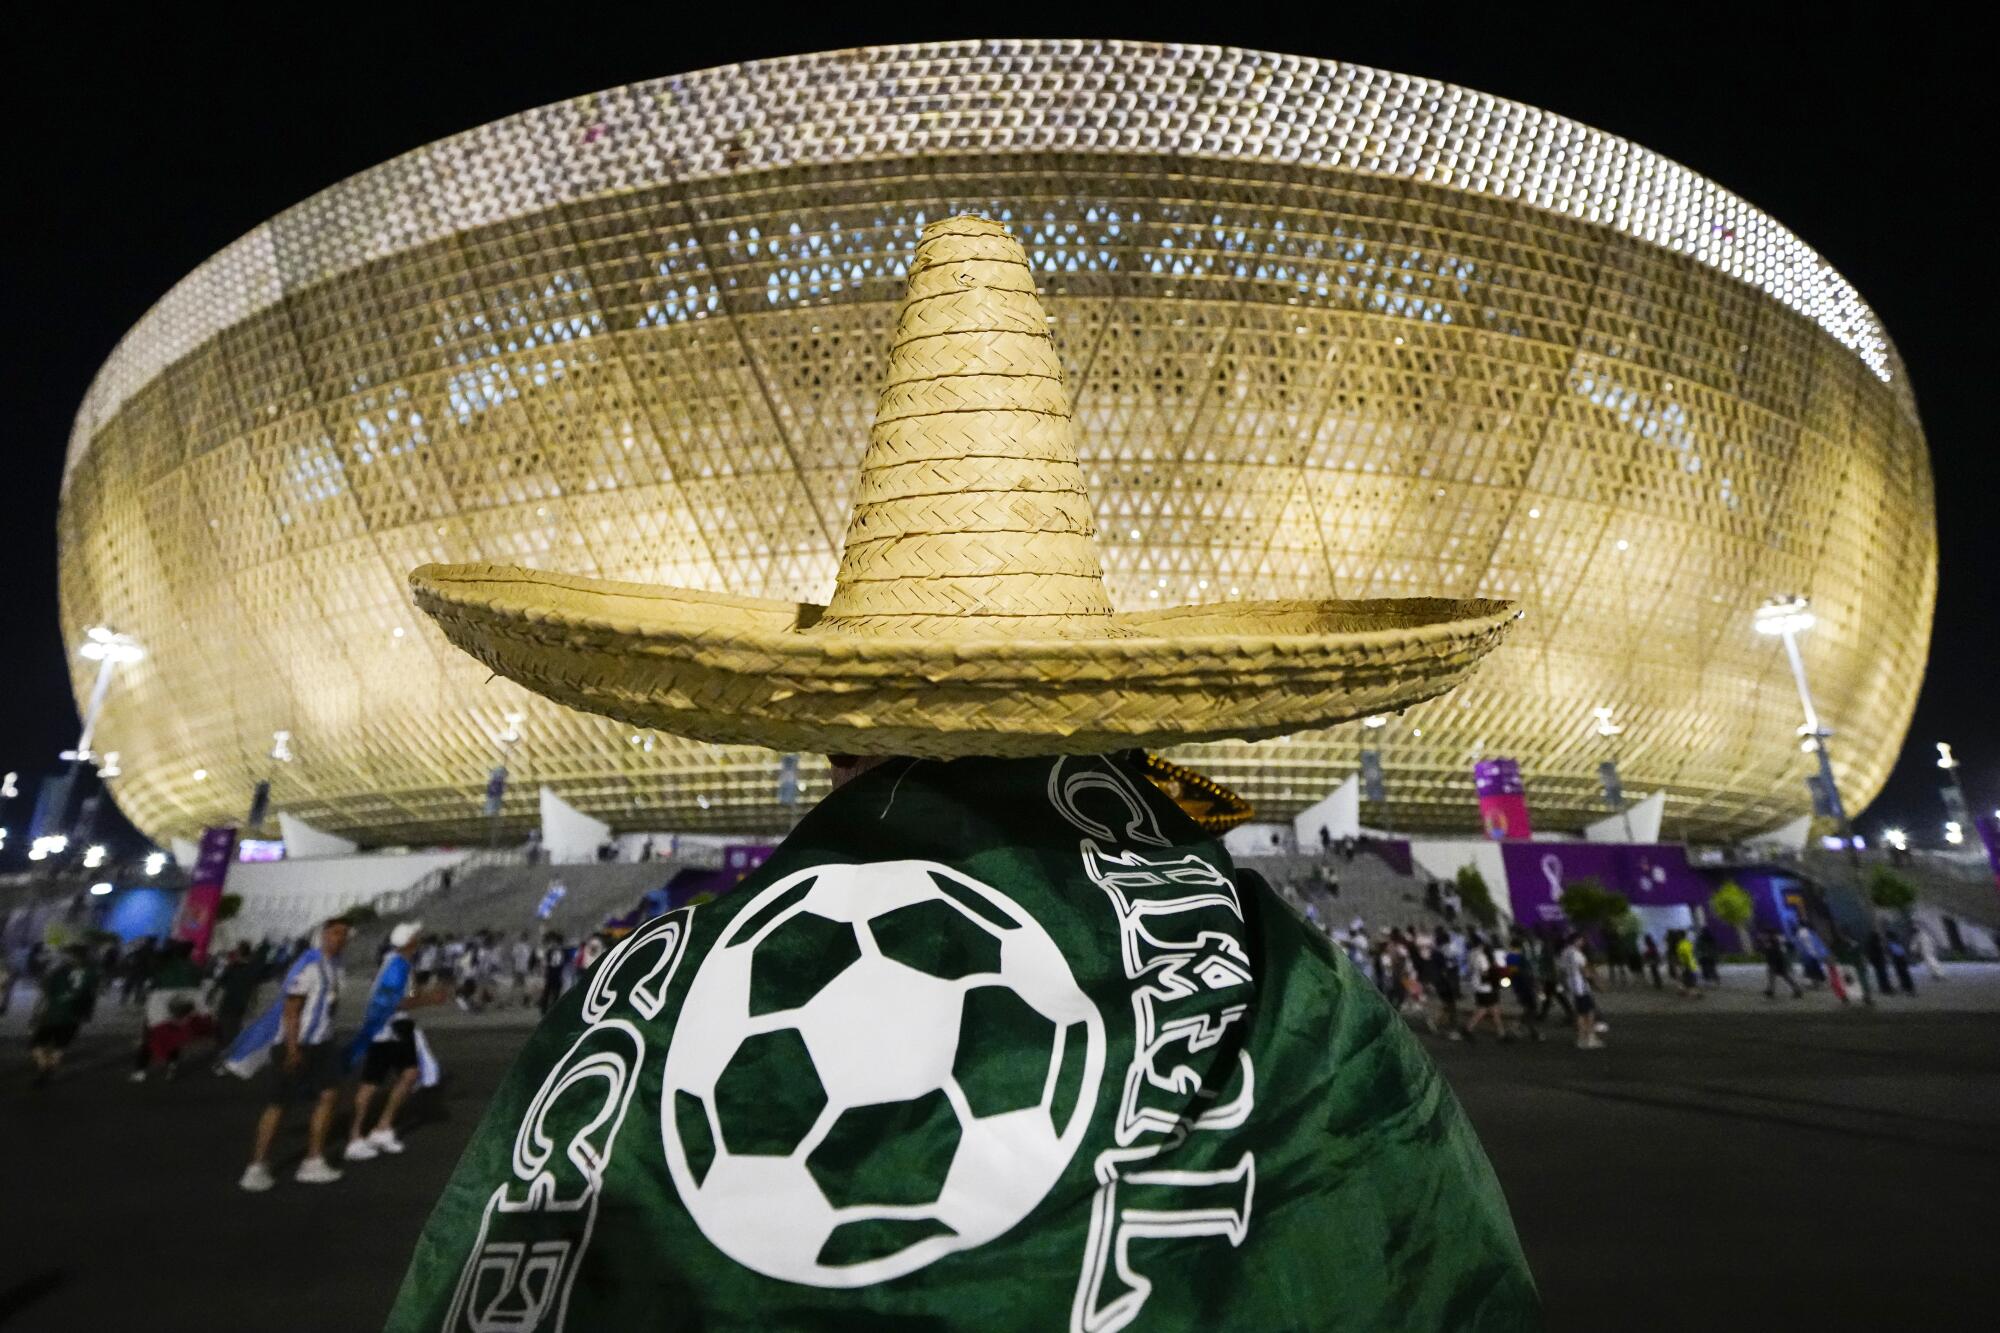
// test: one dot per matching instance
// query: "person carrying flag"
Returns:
(68, 999)
(295, 1038)
(1000, 1035)
(390, 1048)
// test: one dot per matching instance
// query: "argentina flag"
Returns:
(252, 1048)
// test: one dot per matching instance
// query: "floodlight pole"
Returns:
(1816, 734)
(107, 666)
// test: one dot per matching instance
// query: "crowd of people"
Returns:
(1459, 979)
(1457, 982)
(187, 1005)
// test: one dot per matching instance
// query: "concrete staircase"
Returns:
(1369, 889)
(504, 898)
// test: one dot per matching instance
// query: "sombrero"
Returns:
(969, 615)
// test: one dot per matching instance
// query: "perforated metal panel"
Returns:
(1330, 331)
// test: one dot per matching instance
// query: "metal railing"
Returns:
(399, 902)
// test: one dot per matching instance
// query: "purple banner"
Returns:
(1497, 777)
(1648, 874)
(1503, 800)
(195, 921)
(1989, 833)
(739, 859)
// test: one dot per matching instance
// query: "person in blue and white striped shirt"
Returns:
(298, 1030)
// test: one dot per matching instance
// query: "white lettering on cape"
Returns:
(537, 1226)
(1179, 929)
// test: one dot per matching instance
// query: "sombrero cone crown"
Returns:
(970, 614)
(970, 504)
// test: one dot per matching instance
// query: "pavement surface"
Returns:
(1725, 1163)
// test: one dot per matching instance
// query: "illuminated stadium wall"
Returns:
(1330, 332)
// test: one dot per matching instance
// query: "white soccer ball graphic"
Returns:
(875, 1066)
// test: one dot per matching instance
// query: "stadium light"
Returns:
(93, 856)
(1954, 833)
(1896, 838)
(99, 889)
(1605, 726)
(155, 863)
(281, 746)
(1784, 617)
(1375, 723)
(109, 649)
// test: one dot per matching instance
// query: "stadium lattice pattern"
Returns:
(1329, 331)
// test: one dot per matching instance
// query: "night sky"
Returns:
(140, 147)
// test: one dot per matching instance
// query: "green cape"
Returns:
(985, 1044)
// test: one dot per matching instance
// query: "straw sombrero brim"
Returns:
(741, 670)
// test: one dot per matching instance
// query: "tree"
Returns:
(1890, 891)
(1588, 904)
(1478, 899)
(1732, 905)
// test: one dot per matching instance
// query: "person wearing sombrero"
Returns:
(998, 1037)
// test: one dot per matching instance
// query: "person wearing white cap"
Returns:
(389, 1047)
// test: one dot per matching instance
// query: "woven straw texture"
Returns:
(970, 614)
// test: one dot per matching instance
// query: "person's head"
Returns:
(333, 936)
(407, 938)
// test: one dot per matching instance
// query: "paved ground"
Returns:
(1727, 1164)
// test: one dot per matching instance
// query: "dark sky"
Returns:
(139, 147)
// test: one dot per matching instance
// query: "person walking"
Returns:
(467, 967)
(1777, 967)
(1521, 970)
(389, 1048)
(427, 962)
(1877, 955)
(1685, 968)
(1547, 951)
(172, 1011)
(1708, 954)
(1574, 969)
(298, 1032)
(1651, 955)
(1812, 955)
(230, 994)
(67, 1001)
(1928, 954)
(524, 966)
(1487, 973)
(1899, 960)
(554, 957)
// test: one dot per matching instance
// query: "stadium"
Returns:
(1329, 331)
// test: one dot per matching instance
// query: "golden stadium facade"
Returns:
(1330, 332)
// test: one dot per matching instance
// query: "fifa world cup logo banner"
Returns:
(196, 919)
(1503, 799)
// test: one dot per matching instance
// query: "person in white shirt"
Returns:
(467, 970)
(296, 1037)
(1573, 971)
(427, 962)
(1928, 955)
